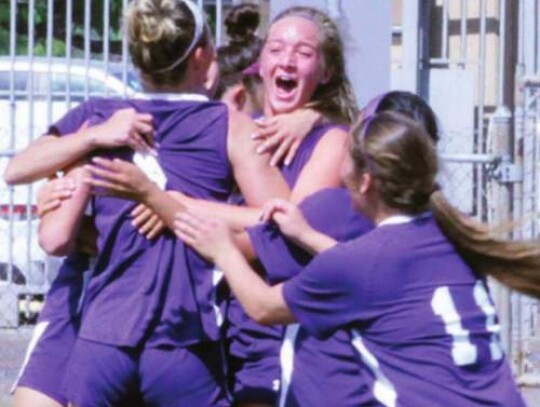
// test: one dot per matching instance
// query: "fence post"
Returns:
(500, 209)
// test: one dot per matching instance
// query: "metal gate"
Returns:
(53, 55)
(461, 55)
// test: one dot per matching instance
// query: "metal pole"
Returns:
(69, 30)
(219, 21)
(87, 37)
(444, 32)
(463, 34)
(106, 33)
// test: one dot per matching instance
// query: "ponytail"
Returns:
(515, 264)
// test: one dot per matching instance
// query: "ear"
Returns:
(199, 59)
(235, 97)
(328, 73)
(239, 97)
(366, 183)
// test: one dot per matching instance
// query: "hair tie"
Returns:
(253, 69)
(372, 106)
(199, 27)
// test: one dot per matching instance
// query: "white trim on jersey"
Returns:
(383, 390)
(39, 330)
(174, 97)
(217, 277)
(149, 164)
(286, 357)
(400, 219)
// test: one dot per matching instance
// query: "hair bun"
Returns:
(241, 22)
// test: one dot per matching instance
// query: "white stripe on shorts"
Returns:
(39, 330)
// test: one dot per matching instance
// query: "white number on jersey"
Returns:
(463, 351)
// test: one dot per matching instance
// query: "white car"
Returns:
(33, 94)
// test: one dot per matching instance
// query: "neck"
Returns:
(383, 212)
(186, 86)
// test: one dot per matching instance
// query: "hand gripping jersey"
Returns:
(156, 292)
(419, 318)
(315, 372)
(254, 347)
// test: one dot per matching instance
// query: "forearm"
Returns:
(262, 303)
(59, 228)
(236, 217)
(47, 155)
(163, 204)
(315, 242)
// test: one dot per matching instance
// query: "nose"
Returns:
(288, 58)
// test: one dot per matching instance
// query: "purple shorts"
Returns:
(55, 333)
(47, 357)
(104, 375)
(253, 358)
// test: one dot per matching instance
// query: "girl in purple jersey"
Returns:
(412, 293)
(331, 212)
(302, 45)
(167, 323)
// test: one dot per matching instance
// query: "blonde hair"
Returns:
(401, 158)
(159, 33)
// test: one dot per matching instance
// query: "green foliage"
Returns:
(41, 11)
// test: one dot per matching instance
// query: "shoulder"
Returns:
(241, 128)
(333, 138)
(239, 121)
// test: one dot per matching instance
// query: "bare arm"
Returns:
(58, 228)
(213, 240)
(293, 225)
(283, 133)
(258, 181)
(49, 154)
(323, 170)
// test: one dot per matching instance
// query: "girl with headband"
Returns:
(149, 309)
(302, 66)
(411, 294)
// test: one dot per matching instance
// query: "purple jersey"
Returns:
(249, 340)
(420, 320)
(158, 291)
(332, 212)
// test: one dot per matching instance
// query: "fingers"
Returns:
(265, 128)
(292, 152)
(156, 230)
(271, 142)
(272, 207)
(48, 207)
(281, 151)
(139, 209)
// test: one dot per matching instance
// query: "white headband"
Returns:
(199, 27)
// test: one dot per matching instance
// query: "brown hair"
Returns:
(159, 32)
(242, 51)
(401, 158)
(334, 99)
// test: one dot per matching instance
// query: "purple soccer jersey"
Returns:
(332, 212)
(152, 294)
(255, 348)
(158, 291)
(420, 320)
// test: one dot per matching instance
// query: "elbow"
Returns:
(262, 316)
(10, 175)
(55, 244)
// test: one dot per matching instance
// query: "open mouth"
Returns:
(286, 84)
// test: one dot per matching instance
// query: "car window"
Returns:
(20, 83)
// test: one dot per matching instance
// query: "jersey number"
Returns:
(464, 352)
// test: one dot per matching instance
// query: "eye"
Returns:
(306, 52)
